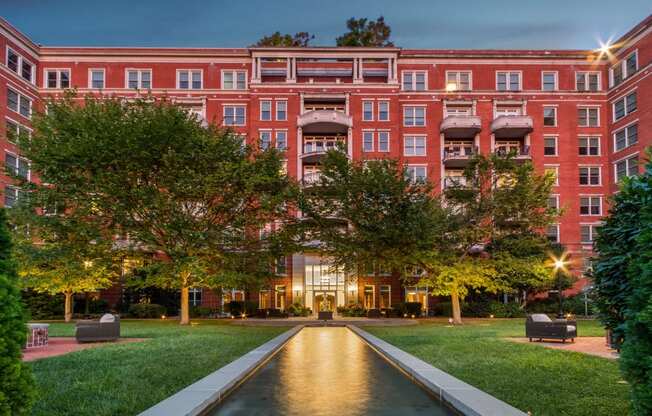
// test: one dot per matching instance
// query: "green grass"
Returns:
(125, 379)
(529, 377)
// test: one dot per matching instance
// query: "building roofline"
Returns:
(4, 24)
(640, 27)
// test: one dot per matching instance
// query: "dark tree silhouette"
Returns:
(365, 32)
(299, 39)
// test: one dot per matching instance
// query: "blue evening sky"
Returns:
(532, 24)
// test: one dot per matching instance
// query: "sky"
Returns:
(437, 24)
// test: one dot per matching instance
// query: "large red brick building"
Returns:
(585, 115)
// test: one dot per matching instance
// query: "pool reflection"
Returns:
(329, 371)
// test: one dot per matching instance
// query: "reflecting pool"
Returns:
(329, 371)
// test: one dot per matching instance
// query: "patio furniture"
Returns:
(106, 329)
(539, 325)
(325, 315)
(37, 335)
(374, 313)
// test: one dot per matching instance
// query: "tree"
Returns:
(497, 214)
(16, 383)
(623, 282)
(190, 198)
(298, 40)
(364, 32)
(370, 214)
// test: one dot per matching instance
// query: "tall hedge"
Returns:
(623, 280)
(16, 382)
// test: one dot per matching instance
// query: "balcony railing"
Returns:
(455, 182)
(522, 152)
(458, 155)
(311, 178)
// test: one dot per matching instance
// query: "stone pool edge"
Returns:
(203, 395)
(463, 397)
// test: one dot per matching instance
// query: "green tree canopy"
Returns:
(299, 39)
(365, 32)
(194, 198)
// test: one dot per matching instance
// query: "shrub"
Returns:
(200, 311)
(409, 308)
(297, 309)
(40, 306)
(352, 310)
(16, 383)
(146, 310)
(550, 305)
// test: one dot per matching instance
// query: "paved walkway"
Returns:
(311, 321)
(587, 345)
(64, 345)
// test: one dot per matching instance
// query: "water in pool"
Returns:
(329, 371)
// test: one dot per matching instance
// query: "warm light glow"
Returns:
(559, 263)
(491, 316)
(451, 86)
(413, 316)
(162, 316)
(88, 263)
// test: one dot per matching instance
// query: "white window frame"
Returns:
(592, 232)
(140, 72)
(589, 177)
(508, 83)
(192, 296)
(623, 67)
(625, 159)
(389, 141)
(626, 130)
(410, 170)
(457, 80)
(17, 192)
(385, 102)
(556, 75)
(556, 138)
(364, 148)
(271, 109)
(58, 79)
(589, 107)
(364, 112)
(19, 72)
(556, 169)
(21, 127)
(224, 107)
(20, 98)
(260, 138)
(414, 107)
(554, 107)
(414, 147)
(190, 71)
(276, 108)
(557, 236)
(626, 111)
(276, 134)
(556, 197)
(234, 73)
(90, 78)
(586, 74)
(18, 159)
(413, 87)
(590, 196)
(587, 137)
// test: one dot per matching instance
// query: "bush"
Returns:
(409, 308)
(352, 310)
(146, 310)
(550, 305)
(16, 382)
(297, 309)
(200, 311)
(39, 306)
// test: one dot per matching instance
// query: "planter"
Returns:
(325, 315)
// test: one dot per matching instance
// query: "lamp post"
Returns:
(559, 266)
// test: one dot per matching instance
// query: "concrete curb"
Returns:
(463, 397)
(210, 390)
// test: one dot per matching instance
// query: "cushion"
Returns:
(570, 328)
(107, 317)
(540, 317)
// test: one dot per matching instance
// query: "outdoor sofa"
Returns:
(539, 325)
(106, 329)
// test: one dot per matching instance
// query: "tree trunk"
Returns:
(68, 306)
(185, 310)
(457, 312)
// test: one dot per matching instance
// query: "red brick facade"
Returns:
(423, 107)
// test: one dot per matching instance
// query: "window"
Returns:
(19, 103)
(590, 175)
(508, 110)
(588, 232)
(234, 115)
(590, 205)
(20, 65)
(548, 81)
(368, 300)
(589, 146)
(280, 296)
(19, 166)
(553, 202)
(265, 110)
(383, 141)
(414, 146)
(367, 111)
(96, 78)
(368, 141)
(385, 296)
(414, 116)
(550, 116)
(414, 81)
(57, 78)
(626, 167)
(194, 296)
(550, 146)
(624, 69)
(457, 110)
(281, 266)
(588, 117)
(458, 80)
(188, 79)
(416, 173)
(139, 79)
(383, 110)
(587, 81)
(281, 139)
(624, 106)
(508, 81)
(552, 232)
(265, 139)
(12, 195)
(15, 131)
(554, 172)
(234, 80)
(626, 137)
(281, 110)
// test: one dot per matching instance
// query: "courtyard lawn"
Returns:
(529, 377)
(125, 379)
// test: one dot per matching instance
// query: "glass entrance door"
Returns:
(325, 301)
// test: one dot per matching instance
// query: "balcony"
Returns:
(315, 147)
(460, 126)
(511, 126)
(324, 121)
(520, 152)
(458, 155)
(455, 182)
(310, 178)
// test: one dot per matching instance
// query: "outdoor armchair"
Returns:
(539, 325)
(106, 329)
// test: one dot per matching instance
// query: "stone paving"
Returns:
(64, 345)
(588, 345)
(337, 321)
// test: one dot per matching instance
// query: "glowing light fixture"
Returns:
(451, 86)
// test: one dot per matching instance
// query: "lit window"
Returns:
(234, 115)
(626, 137)
(549, 81)
(139, 79)
(414, 81)
(57, 78)
(234, 80)
(590, 175)
(458, 81)
(588, 117)
(265, 110)
(96, 78)
(383, 111)
(385, 296)
(368, 141)
(281, 110)
(414, 116)
(416, 173)
(383, 141)
(508, 81)
(590, 205)
(414, 146)
(367, 111)
(550, 116)
(589, 146)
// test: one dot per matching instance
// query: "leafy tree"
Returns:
(16, 383)
(365, 32)
(298, 40)
(498, 213)
(623, 282)
(193, 199)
